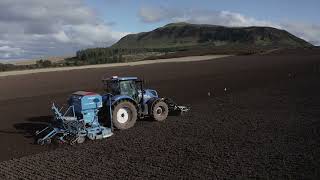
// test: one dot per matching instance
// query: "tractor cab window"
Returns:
(128, 88)
(113, 87)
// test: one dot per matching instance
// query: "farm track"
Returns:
(266, 125)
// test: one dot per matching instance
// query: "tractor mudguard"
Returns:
(114, 99)
(117, 98)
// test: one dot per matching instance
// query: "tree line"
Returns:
(97, 56)
(115, 55)
(39, 64)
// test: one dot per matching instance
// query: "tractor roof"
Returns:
(121, 78)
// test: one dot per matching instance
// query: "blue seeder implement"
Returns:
(79, 121)
(124, 102)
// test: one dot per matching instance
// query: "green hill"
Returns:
(184, 35)
(183, 39)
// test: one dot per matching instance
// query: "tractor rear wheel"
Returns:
(160, 111)
(124, 115)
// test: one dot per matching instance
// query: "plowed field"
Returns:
(264, 125)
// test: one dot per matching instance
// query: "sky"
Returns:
(33, 29)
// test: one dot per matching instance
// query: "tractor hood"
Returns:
(150, 93)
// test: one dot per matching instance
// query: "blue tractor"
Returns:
(93, 116)
(128, 101)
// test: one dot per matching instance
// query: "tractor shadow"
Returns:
(174, 113)
(146, 119)
(33, 124)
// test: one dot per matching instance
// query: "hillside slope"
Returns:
(184, 35)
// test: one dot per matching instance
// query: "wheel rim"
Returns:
(40, 141)
(122, 115)
(159, 110)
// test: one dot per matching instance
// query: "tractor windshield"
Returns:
(128, 88)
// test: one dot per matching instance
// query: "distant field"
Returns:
(33, 61)
(182, 59)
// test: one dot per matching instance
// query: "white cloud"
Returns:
(89, 35)
(156, 14)
(225, 18)
(236, 19)
(44, 27)
(62, 37)
(7, 51)
(309, 32)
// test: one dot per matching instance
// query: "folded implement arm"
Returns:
(63, 125)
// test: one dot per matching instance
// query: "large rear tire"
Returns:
(124, 115)
(160, 111)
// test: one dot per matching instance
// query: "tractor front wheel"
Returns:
(124, 115)
(160, 111)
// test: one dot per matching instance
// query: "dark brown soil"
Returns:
(265, 125)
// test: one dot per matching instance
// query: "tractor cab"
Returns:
(126, 86)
